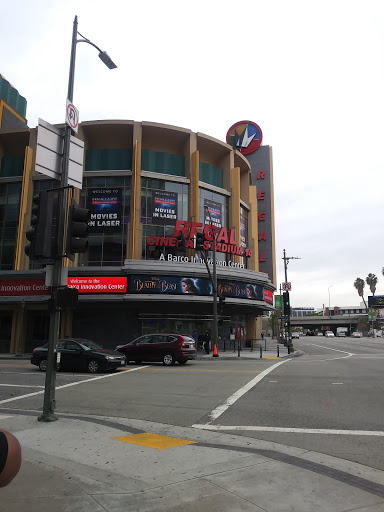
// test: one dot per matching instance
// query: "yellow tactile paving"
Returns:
(154, 440)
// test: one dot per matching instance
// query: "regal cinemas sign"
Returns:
(225, 238)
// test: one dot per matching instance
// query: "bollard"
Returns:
(261, 352)
(238, 348)
(288, 347)
(278, 351)
(265, 344)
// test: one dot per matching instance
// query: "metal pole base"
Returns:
(47, 417)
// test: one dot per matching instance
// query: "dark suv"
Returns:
(166, 348)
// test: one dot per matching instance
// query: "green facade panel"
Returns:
(12, 98)
(210, 174)
(12, 166)
(163, 163)
(108, 159)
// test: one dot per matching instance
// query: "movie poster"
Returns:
(164, 207)
(243, 231)
(195, 286)
(106, 207)
(212, 213)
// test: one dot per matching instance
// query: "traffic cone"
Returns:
(215, 354)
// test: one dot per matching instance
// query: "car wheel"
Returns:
(183, 362)
(168, 359)
(43, 365)
(93, 366)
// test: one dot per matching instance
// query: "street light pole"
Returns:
(286, 261)
(329, 301)
(214, 283)
(57, 275)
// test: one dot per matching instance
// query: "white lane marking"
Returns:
(337, 383)
(376, 433)
(335, 349)
(3, 416)
(73, 384)
(20, 386)
(240, 392)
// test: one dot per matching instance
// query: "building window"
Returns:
(210, 174)
(108, 159)
(12, 166)
(157, 220)
(164, 163)
(244, 233)
(107, 198)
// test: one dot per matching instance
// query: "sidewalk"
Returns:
(272, 351)
(83, 463)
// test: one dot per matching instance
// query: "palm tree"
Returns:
(371, 281)
(359, 285)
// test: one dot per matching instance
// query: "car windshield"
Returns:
(89, 345)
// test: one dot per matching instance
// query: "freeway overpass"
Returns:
(330, 323)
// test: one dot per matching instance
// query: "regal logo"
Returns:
(245, 136)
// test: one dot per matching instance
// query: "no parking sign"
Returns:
(72, 116)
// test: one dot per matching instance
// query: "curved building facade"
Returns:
(145, 184)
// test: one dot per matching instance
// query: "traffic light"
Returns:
(199, 241)
(180, 243)
(221, 305)
(41, 247)
(66, 297)
(287, 307)
(77, 230)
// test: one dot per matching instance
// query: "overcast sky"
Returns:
(309, 73)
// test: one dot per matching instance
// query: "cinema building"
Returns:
(145, 183)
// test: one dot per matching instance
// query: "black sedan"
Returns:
(79, 354)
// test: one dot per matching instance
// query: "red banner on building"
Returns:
(268, 296)
(19, 287)
(98, 284)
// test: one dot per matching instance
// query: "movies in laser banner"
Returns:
(164, 207)
(106, 210)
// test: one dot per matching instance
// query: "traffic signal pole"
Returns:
(288, 317)
(54, 325)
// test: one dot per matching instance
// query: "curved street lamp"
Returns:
(57, 277)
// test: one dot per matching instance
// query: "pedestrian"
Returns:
(195, 336)
(207, 339)
(201, 340)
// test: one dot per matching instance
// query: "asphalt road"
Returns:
(330, 400)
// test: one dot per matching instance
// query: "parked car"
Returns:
(357, 334)
(319, 333)
(310, 333)
(80, 354)
(165, 348)
(295, 335)
(341, 334)
(329, 334)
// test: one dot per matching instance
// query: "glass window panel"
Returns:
(174, 187)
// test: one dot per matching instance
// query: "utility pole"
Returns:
(288, 318)
(58, 274)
